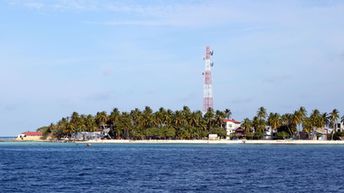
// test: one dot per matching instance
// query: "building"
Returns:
(269, 132)
(30, 136)
(231, 125)
(84, 136)
(322, 134)
(239, 133)
(340, 126)
(213, 137)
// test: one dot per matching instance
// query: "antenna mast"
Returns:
(207, 86)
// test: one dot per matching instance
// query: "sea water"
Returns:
(53, 167)
(9, 138)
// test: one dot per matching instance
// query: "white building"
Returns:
(213, 137)
(268, 133)
(84, 136)
(340, 126)
(231, 126)
(30, 136)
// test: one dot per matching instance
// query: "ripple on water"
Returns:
(170, 168)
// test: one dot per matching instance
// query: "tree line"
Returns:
(186, 124)
(292, 125)
(145, 124)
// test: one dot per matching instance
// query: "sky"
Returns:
(61, 56)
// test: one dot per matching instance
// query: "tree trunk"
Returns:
(334, 130)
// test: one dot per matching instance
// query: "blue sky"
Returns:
(60, 56)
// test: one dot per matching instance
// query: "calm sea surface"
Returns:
(49, 167)
(2, 139)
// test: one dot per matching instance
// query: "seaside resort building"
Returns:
(340, 126)
(231, 126)
(30, 136)
(84, 136)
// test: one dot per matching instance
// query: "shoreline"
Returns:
(221, 141)
(305, 142)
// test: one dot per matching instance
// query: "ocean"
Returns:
(68, 167)
(4, 138)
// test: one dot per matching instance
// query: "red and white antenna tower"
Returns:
(207, 86)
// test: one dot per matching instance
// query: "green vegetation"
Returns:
(146, 124)
(186, 124)
(292, 125)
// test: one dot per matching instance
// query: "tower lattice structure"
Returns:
(207, 86)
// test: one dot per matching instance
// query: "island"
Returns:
(186, 126)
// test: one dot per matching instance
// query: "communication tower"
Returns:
(207, 86)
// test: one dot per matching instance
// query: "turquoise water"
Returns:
(52, 167)
(2, 138)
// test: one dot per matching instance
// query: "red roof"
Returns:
(32, 133)
(232, 121)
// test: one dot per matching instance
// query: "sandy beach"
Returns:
(213, 142)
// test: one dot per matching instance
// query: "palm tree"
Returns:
(296, 120)
(261, 113)
(169, 117)
(303, 112)
(136, 118)
(101, 119)
(138, 124)
(63, 128)
(307, 126)
(186, 113)
(200, 123)
(114, 116)
(113, 122)
(247, 126)
(274, 121)
(194, 120)
(228, 113)
(299, 118)
(48, 130)
(259, 127)
(333, 118)
(161, 118)
(90, 123)
(76, 122)
(219, 117)
(209, 118)
(178, 120)
(124, 126)
(259, 121)
(325, 121)
(288, 121)
(148, 119)
(316, 121)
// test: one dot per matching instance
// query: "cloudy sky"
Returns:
(60, 56)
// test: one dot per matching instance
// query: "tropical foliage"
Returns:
(145, 124)
(186, 124)
(292, 125)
